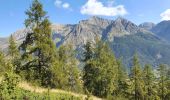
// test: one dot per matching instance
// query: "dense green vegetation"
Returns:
(38, 60)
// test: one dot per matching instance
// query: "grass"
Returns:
(53, 92)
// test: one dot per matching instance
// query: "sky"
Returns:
(12, 12)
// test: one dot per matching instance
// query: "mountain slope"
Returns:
(162, 29)
(124, 36)
(147, 25)
(3, 43)
(150, 49)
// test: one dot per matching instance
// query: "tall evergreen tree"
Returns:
(38, 48)
(88, 68)
(168, 84)
(13, 50)
(13, 53)
(122, 79)
(149, 85)
(2, 63)
(162, 80)
(136, 77)
(66, 74)
(101, 72)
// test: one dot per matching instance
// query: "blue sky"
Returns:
(12, 14)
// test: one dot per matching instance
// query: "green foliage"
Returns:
(38, 48)
(100, 70)
(27, 95)
(136, 78)
(8, 87)
(103, 75)
(5, 65)
(2, 63)
(13, 54)
(66, 74)
(88, 68)
(163, 81)
(149, 83)
(122, 83)
(13, 50)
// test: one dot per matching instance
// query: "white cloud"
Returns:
(66, 5)
(95, 7)
(166, 15)
(61, 4)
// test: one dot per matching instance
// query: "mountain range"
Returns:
(151, 41)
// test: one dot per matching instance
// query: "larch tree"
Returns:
(66, 74)
(149, 85)
(122, 78)
(13, 51)
(2, 63)
(14, 54)
(136, 78)
(38, 48)
(102, 71)
(162, 81)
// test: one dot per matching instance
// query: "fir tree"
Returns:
(88, 68)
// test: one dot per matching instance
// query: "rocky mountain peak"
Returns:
(120, 20)
(97, 21)
(147, 25)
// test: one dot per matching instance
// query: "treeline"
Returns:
(38, 61)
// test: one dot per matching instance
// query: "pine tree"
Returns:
(149, 86)
(136, 77)
(38, 48)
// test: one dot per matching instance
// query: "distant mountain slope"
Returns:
(125, 39)
(147, 25)
(162, 29)
(3, 43)
(150, 49)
